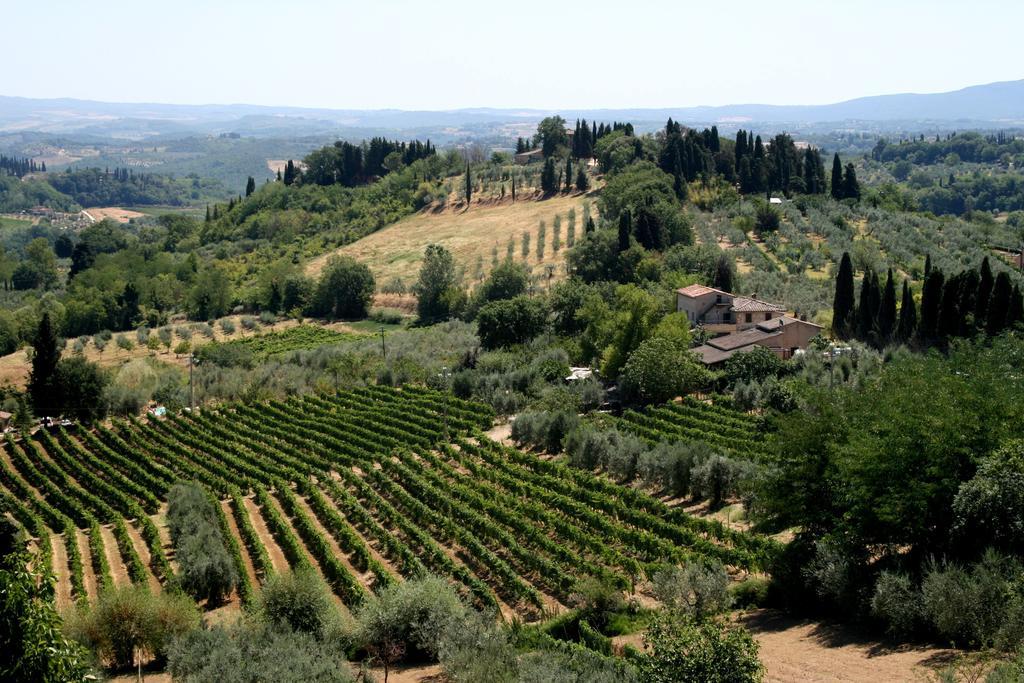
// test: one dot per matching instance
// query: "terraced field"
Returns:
(368, 487)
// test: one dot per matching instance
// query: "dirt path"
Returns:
(501, 433)
(117, 568)
(250, 569)
(430, 673)
(61, 571)
(365, 578)
(277, 558)
(91, 587)
(143, 550)
(800, 651)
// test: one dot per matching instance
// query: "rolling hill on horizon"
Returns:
(1001, 103)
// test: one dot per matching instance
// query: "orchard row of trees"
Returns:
(20, 166)
(961, 305)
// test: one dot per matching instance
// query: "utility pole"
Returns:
(191, 384)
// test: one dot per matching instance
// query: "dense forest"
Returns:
(125, 187)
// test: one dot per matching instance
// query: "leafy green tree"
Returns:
(508, 322)
(755, 365)
(506, 281)
(551, 135)
(43, 386)
(344, 290)
(81, 385)
(989, 507)
(210, 296)
(32, 647)
(436, 280)
(724, 274)
(659, 370)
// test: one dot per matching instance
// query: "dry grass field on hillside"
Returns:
(397, 250)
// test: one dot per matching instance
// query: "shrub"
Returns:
(127, 619)
(751, 592)
(898, 603)
(968, 605)
(386, 316)
(708, 651)
(227, 326)
(718, 477)
(698, 589)
(299, 601)
(256, 652)
(476, 648)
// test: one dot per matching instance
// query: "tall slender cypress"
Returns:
(985, 282)
(931, 300)
(887, 311)
(625, 229)
(999, 305)
(908, 315)
(837, 177)
(843, 302)
(42, 379)
(469, 186)
(867, 307)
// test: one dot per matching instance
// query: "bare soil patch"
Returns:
(110, 549)
(61, 570)
(99, 213)
(802, 651)
(432, 673)
(501, 433)
(91, 586)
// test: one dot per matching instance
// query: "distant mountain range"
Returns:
(1000, 104)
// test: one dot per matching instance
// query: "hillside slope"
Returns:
(397, 250)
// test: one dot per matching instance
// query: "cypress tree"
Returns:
(207, 213)
(908, 315)
(985, 281)
(999, 306)
(851, 188)
(42, 379)
(931, 300)
(1015, 314)
(625, 229)
(842, 304)
(250, 186)
(723, 274)
(582, 182)
(469, 186)
(949, 311)
(513, 188)
(968, 298)
(548, 179)
(867, 307)
(927, 265)
(887, 311)
(837, 177)
(568, 174)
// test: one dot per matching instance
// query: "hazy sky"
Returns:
(419, 54)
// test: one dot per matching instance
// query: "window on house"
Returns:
(768, 316)
(718, 299)
(749, 317)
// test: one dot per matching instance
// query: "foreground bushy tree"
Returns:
(511, 321)
(681, 649)
(659, 370)
(32, 647)
(344, 290)
(206, 569)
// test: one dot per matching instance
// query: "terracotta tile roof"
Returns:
(699, 290)
(742, 304)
